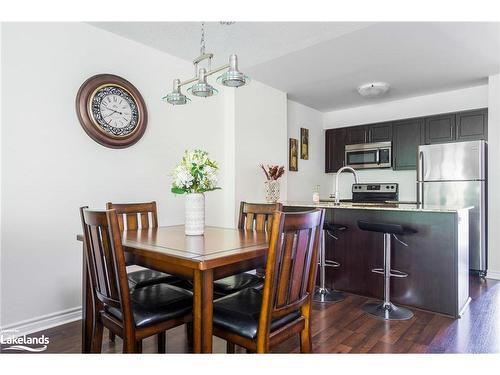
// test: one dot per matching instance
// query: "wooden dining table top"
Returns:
(217, 246)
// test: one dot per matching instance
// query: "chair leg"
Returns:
(96, 344)
(138, 346)
(129, 345)
(305, 339)
(112, 336)
(161, 338)
(189, 334)
(229, 347)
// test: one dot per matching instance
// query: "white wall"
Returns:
(260, 137)
(493, 176)
(50, 167)
(448, 101)
(312, 171)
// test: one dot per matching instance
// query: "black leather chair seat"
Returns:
(333, 227)
(239, 313)
(156, 303)
(235, 283)
(146, 277)
(228, 285)
(390, 228)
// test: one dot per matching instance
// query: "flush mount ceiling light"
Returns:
(373, 90)
(201, 88)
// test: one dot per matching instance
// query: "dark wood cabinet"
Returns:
(357, 134)
(440, 129)
(369, 133)
(335, 140)
(380, 132)
(407, 136)
(472, 125)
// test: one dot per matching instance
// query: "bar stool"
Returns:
(386, 309)
(322, 293)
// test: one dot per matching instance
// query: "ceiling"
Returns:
(320, 64)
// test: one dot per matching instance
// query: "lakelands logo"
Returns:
(22, 343)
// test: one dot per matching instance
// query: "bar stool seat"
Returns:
(334, 227)
(385, 228)
(387, 310)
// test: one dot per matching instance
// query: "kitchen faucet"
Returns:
(337, 198)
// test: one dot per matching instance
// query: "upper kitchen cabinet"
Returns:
(407, 136)
(335, 140)
(440, 129)
(357, 134)
(472, 125)
(380, 132)
(369, 133)
(460, 126)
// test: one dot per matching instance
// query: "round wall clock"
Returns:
(111, 111)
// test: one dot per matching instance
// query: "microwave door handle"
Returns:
(378, 156)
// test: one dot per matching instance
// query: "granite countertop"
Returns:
(378, 206)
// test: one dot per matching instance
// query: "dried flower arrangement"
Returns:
(273, 172)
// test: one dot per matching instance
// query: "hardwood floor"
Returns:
(344, 328)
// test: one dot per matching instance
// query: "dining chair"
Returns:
(133, 216)
(253, 216)
(259, 319)
(131, 313)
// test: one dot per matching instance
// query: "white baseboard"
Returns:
(493, 275)
(45, 321)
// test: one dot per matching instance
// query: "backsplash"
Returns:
(405, 179)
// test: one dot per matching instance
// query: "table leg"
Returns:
(87, 307)
(203, 311)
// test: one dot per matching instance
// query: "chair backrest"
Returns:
(132, 216)
(257, 216)
(105, 259)
(291, 265)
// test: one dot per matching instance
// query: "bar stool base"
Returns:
(325, 295)
(387, 311)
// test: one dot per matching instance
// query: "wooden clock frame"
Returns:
(83, 110)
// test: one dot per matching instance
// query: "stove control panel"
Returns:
(364, 193)
(375, 188)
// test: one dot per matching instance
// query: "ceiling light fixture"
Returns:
(201, 88)
(373, 90)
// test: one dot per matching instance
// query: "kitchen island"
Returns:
(436, 259)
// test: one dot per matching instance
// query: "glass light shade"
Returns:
(202, 89)
(176, 98)
(233, 78)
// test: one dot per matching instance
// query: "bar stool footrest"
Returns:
(393, 273)
(332, 263)
(397, 273)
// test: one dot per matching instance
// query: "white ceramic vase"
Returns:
(195, 214)
(272, 191)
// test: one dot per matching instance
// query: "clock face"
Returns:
(114, 111)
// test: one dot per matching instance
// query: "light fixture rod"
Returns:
(205, 56)
(213, 71)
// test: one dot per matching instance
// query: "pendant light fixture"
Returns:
(201, 88)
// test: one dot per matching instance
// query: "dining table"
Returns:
(218, 253)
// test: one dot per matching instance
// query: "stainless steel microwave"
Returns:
(369, 155)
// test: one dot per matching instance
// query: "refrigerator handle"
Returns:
(420, 166)
(420, 175)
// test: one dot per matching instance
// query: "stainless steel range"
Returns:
(375, 193)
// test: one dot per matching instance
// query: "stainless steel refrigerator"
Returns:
(454, 175)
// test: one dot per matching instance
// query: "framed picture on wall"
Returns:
(304, 143)
(293, 162)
